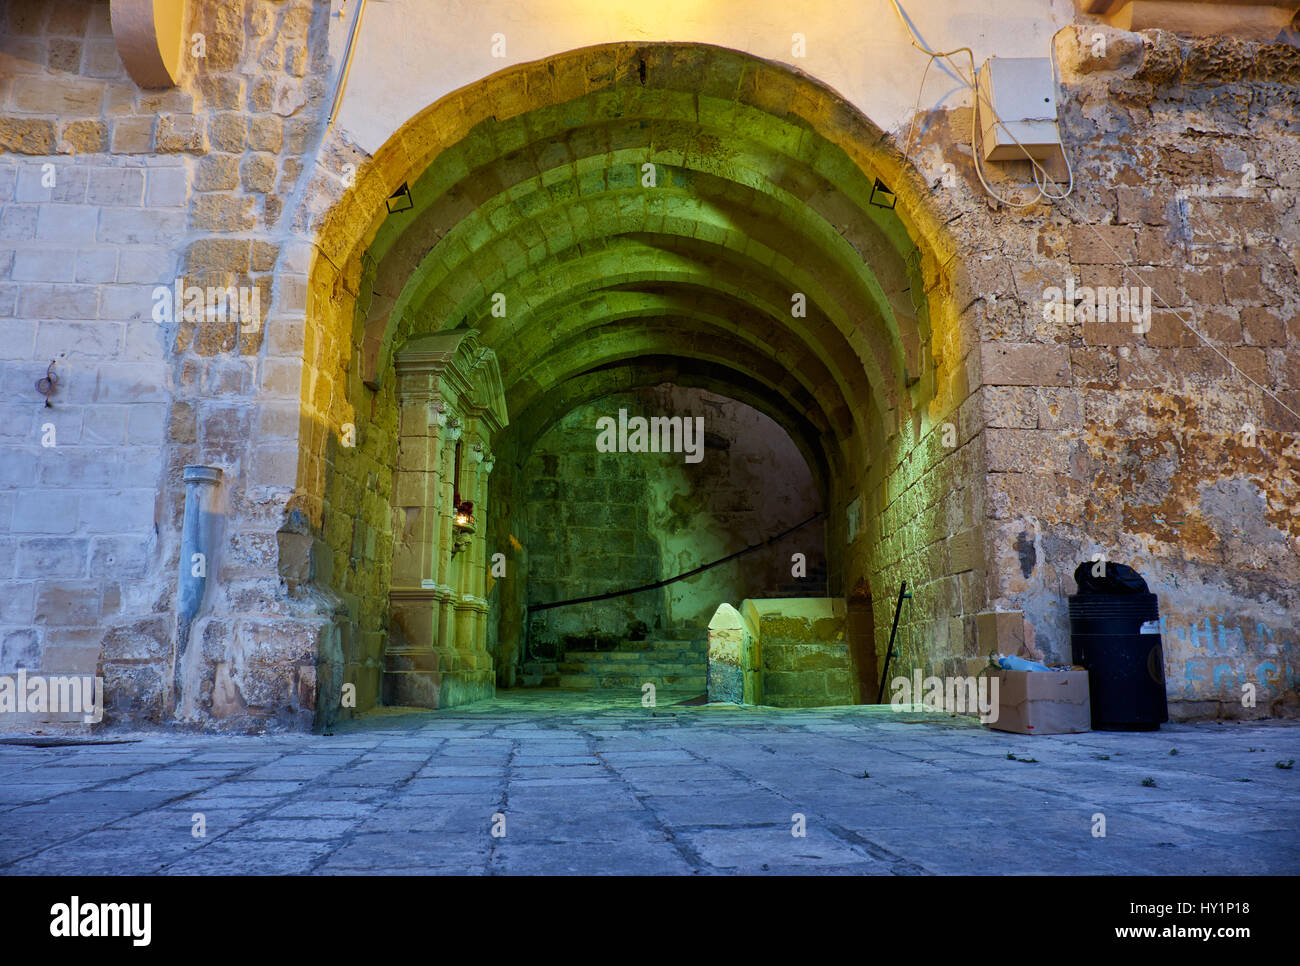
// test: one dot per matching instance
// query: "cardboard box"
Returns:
(1043, 702)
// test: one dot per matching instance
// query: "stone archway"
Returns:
(626, 203)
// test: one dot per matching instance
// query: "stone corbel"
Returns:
(1261, 20)
(149, 39)
(483, 456)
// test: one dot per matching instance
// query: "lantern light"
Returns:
(462, 527)
(464, 519)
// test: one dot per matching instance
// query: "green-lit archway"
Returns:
(619, 214)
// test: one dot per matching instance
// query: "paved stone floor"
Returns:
(603, 785)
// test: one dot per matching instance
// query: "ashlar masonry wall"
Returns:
(109, 193)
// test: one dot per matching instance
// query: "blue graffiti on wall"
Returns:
(1230, 642)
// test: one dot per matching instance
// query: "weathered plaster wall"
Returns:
(608, 521)
(1149, 448)
(861, 50)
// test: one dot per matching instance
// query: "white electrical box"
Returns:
(1022, 92)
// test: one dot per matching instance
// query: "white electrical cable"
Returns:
(1040, 187)
(346, 68)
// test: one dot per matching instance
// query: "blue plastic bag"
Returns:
(1014, 663)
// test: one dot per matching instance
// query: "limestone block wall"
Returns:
(588, 532)
(803, 651)
(109, 193)
(920, 507)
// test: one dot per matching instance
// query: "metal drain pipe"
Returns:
(197, 534)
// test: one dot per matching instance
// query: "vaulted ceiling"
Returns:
(683, 222)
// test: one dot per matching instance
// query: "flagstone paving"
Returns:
(553, 782)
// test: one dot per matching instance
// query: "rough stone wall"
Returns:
(1158, 453)
(607, 521)
(346, 543)
(1074, 436)
(1147, 448)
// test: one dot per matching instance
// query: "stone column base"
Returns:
(412, 677)
(462, 687)
(422, 677)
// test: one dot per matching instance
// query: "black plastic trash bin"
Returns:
(1115, 634)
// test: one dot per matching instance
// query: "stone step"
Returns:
(683, 634)
(658, 654)
(661, 644)
(641, 660)
(676, 654)
(590, 682)
(632, 667)
(539, 680)
(638, 672)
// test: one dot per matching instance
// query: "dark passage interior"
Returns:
(603, 510)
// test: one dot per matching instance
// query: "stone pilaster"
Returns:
(437, 651)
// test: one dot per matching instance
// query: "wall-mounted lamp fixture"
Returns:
(881, 196)
(462, 526)
(465, 516)
(400, 200)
